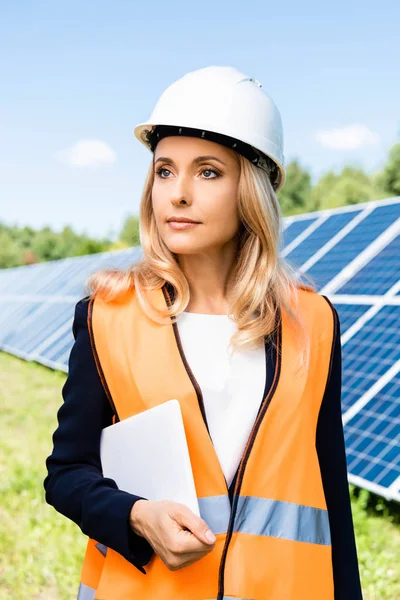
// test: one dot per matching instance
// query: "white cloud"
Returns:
(87, 153)
(347, 138)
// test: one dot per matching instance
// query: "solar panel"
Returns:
(354, 243)
(50, 350)
(373, 436)
(379, 275)
(308, 247)
(349, 314)
(59, 349)
(294, 229)
(353, 255)
(13, 313)
(53, 317)
(370, 353)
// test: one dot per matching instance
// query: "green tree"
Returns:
(69, 241)
(47, 245)
(91, 246)
(351, 186)
(294, 197)
(25, 237)
(322, 189)
(10, 254)
(25, 246)
(130, 231)
(389, 179)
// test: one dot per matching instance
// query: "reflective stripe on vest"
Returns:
(85, 592)
(216, 512)
(262, 516)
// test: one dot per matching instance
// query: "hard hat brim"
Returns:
(141, 130)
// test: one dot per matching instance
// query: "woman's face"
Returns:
(195, 179)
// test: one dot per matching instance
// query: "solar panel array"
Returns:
(353, 256)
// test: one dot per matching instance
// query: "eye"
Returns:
(210, 171)
(160, 170)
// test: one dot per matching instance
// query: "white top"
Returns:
(232, 389)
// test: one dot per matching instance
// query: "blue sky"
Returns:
(76, 71)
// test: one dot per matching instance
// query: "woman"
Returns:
(213, 316)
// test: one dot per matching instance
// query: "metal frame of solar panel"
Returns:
(351, 253)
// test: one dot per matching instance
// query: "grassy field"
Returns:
(41, 551)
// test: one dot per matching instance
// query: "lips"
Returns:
(181, 220)
(182, 225)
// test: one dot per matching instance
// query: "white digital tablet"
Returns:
(147, 455)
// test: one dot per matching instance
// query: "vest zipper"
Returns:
(243, 462)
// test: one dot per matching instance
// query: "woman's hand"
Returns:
(176, 534)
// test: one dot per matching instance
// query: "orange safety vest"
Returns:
(274, 542)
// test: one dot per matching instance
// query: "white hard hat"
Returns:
(223, 105)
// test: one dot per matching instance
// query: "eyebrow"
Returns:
(196, 161)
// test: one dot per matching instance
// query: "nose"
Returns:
(181, 191)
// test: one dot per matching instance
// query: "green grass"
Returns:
(376, 524)
(41, 551)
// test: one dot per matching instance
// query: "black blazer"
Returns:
(75, 486)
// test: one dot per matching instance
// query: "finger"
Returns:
(186, 542)
(186, 518)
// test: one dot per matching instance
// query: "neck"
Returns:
(208, 276)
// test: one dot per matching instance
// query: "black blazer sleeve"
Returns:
(74, 484)
(332, 459)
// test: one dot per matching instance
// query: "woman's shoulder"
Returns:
(320, 312)
(320, 303)
(81, 314)
(82, 306)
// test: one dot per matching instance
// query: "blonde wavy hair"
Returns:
(260, 283)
